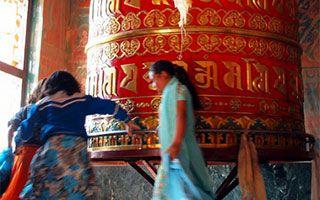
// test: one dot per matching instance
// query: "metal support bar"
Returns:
(228, 189)
(150, 168)
(228, 184)
(142, 172)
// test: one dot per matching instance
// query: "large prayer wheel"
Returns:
(242, 55)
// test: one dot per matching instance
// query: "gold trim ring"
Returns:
(191, 30)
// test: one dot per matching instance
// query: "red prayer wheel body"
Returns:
(243, 57)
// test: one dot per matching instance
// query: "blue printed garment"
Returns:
(61, 170)
(63, 114)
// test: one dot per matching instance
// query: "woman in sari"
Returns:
(182, 161)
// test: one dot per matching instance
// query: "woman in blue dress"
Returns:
(177, 135)
(61, 168)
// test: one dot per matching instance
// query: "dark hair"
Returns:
(38, 92)
(181, 74)
(62, 81)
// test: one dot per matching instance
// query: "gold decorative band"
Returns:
(123, 147)
(190, 30)
(211, 139)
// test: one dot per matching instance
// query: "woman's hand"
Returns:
(174, 150)
(131, 126)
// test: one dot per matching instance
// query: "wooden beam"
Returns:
(11, 70)
(26, 52)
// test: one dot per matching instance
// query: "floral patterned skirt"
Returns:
(61, 170)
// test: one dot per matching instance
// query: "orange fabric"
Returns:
(20, 172)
